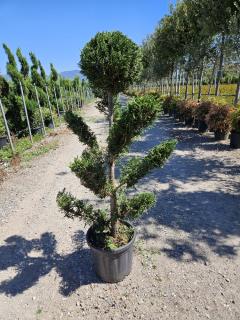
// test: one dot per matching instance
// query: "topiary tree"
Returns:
(54, 74)
(24, 63)
(112, 62)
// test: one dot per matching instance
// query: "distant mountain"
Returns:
(71, 74)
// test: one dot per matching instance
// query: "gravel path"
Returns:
(187, 258)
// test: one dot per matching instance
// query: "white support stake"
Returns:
(50, 107)
(40, 110)
(56, 101)
(65, 98)
(26, 112)
(7, 128)
(61, 98)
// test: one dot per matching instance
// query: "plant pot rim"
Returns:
(3, 137)
(113, 251)
(235, 131)
(221, 131)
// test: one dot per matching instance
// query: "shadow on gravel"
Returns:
(33, 259)
(194, 196)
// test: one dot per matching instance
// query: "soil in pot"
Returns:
(235, 140)
(3, 141)
(219, 135)
(112, 265)
(202, 126)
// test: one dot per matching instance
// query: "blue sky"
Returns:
(56, 30)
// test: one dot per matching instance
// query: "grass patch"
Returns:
(21, 145)
(42, 149)
(26, 150)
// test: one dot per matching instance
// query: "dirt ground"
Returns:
(186, 263)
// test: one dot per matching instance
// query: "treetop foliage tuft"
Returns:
(111, 61)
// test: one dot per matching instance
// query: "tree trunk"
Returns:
(212, 78)
(179, 83)
(193, 86)
(171, 82)
(237, 95)
(111, 173)
(200, 83)
(186, 90)
(176, 82)
(219, 74)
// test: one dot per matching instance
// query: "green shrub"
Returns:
(219, 118)
(2, 127)
(202, 110)
(188, 109)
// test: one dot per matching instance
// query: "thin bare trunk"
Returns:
(200, 83)
(113, 197)
(176, 82)
(171, 82)
(237, 95)
(219, 74)
(212, 78)
(186, 86)
(193, 86)
(179, 83)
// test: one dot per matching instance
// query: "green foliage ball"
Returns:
(111, 61)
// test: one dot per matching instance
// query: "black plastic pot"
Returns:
(235, 140)
(189, 122)
(219, 135)
(181, 118)
(51, 126)
(38, 130)
(3, 141)
(202, 126)
(112, 265)
(195, 123)
(170, 113)
(165, 111)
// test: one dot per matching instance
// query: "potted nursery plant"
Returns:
(201, 112)
(188, 110)
(235, 133)
(219, 121)
(111, 62)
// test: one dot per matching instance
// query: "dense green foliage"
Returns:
(135, 206)
(91, 169)
(138, 167)
(71, 95)
(139, 114)
(81, 209)
(111, 62)
(81, 129)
